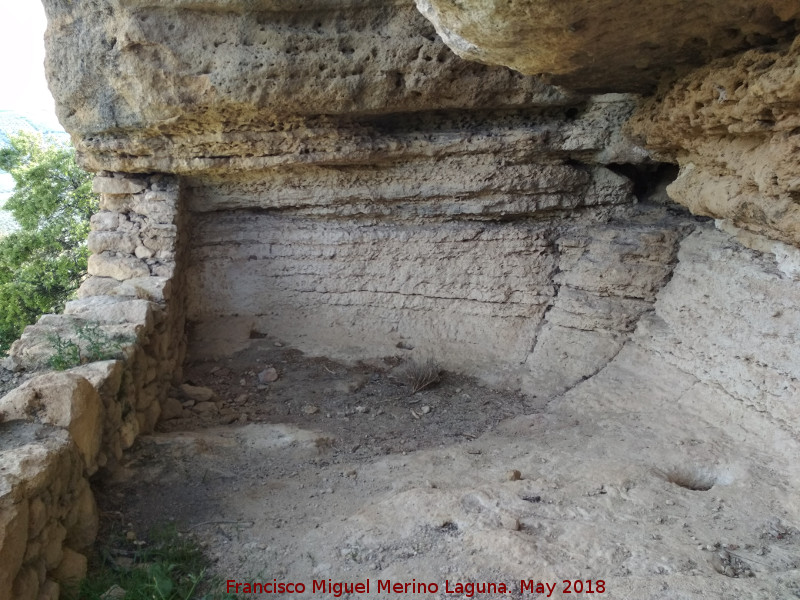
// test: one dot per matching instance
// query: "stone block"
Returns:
(26, 585)
(111, 309)
(115, 241)
(83, 520)
(71, 569)
(117, 185)
(62, 399)
(105, 220)
(13, 539)
(50, 590)
(117, 267)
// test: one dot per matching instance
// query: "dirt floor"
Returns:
(629, 486)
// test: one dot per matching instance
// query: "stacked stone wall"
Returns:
(61, 427)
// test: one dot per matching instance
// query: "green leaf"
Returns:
(43, 263)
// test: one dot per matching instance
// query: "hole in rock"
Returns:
(692, 477)
(649, 181)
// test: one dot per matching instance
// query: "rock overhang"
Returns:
(608, 45)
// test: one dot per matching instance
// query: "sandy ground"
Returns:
(332, 477)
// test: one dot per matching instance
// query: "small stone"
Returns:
(729, 571)
(205, 407)
(310, 409)
(197, 393)
(113, 593)
(510, 522)
(171, 409)
(513, 475)
(278, 345)
(362, 409)
(130, 536)
(142, 252)
(268, 375)
(425, 410)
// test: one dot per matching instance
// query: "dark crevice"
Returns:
(649, 180)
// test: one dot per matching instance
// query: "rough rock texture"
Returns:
(733, 127)
(505, 301)
(184, 86)
(329, 173)
(730, 318)
(47, 511)
(607, 45)
(58, 428)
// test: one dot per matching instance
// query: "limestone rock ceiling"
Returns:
(131, 78)
(607, 45)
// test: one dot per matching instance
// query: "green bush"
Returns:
(42, 263)
(170, 566)
(93, 344)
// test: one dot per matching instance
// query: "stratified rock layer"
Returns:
(606, 45)
(188, 86)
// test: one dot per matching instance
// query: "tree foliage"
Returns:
(43, 262)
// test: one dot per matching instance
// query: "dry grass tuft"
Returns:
(422, 375)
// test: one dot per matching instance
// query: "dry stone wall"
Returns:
(58, 428)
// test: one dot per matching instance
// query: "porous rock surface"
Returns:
(733, 128)
(607, 45)
(182, 86)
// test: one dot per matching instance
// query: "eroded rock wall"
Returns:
(733, 128)
(195, 86)
(607, 45)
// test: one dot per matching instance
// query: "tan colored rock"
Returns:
(117, 185)
(105, 376)
(83, 520)
(115, 241)
(155, 289)
(606, 45)
(53, 548)
(26, 585)
(37, 518)
(233, 78)
(732, 128)
(105, 221)
(158, 206)
(117, 267)
(50, 590)
(205, 407)
(112, 309)
(171, 409)
(61, 399)
(71, 569)
(13, 537)
(198, 393)
(128, 433)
